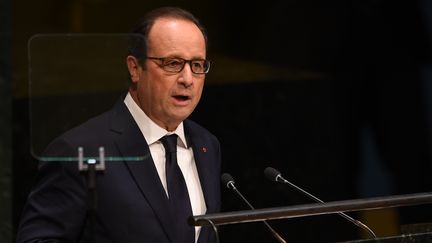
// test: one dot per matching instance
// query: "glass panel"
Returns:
(74, 77)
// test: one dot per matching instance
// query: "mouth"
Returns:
(182, 100)
(181, 97)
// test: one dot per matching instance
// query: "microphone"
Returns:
(274, 175)
(228, 181)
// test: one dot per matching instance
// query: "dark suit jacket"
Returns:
(131, 202)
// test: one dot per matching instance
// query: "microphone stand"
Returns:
(275, 234)
(279, 178)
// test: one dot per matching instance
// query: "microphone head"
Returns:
(227, 179)
(271, 173)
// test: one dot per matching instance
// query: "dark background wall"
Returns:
(335, 94)
(6, 226)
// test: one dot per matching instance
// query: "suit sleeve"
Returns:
(56, 208)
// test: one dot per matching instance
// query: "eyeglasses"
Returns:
(176, 64)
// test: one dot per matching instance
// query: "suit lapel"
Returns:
(202, 160)
(131, 143)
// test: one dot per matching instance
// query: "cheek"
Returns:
(153, 86)
(199, 87)
(163, 89)
(144, 90)
(161, 84)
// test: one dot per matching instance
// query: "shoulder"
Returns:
(82, 135)
(91, 134)
(93, 127)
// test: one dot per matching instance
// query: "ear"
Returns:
(134, 68)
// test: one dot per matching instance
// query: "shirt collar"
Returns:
(150, 130)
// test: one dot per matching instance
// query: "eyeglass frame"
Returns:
(163, 59)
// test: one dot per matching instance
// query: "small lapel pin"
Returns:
(204, 149)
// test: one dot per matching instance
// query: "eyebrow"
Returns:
(176, 55)
(194, 58)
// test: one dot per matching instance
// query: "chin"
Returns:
(181, 116)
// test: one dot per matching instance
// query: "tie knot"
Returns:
(170, 143)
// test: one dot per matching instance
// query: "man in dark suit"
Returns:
(138, 201)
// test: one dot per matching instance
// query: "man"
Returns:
(138, 201)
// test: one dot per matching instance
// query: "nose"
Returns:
(186, 76)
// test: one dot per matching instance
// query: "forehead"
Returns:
(176, 36)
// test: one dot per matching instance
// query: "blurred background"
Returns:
(334, 94)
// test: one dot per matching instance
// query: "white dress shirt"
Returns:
(152, 133)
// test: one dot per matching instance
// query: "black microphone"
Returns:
(228, 181)
(274, 175)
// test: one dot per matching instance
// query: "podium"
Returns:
(246, 216)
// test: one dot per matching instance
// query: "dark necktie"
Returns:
(177, 192)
